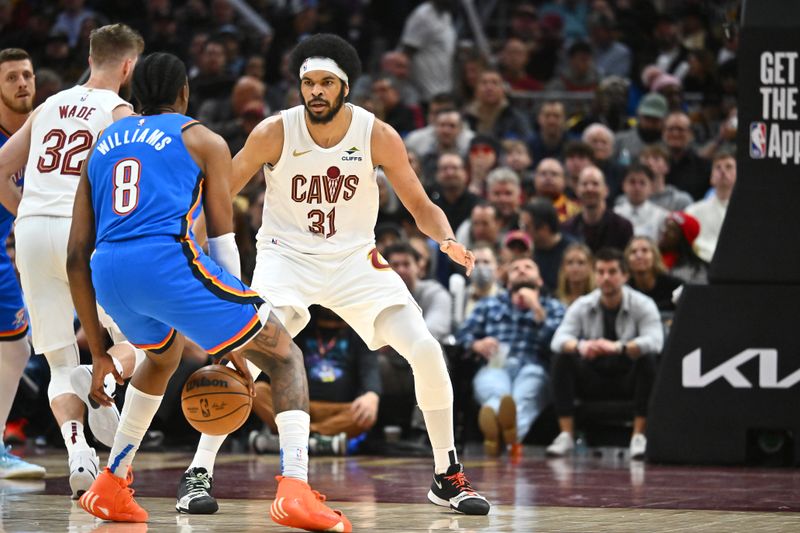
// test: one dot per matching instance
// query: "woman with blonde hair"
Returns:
(648, 274)
(575, 277)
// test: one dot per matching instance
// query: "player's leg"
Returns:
(108, 497)
(207, 449)
(295, 504)
(104, 420)
(277, 278)
(404, 329)
(41, 260)
(14, 356)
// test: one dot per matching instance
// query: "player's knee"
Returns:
(61, 363)
(431, 379)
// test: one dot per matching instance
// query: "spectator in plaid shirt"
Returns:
(512, 331)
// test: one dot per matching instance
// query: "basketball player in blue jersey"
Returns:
(17, 88)
(316, 245)
(143, 185)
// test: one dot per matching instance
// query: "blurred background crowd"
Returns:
(546, 130)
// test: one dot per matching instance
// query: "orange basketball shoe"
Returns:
(297, 505)
(110, 498)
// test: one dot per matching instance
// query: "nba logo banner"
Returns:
(758, 140)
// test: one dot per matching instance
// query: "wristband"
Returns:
(224, 252)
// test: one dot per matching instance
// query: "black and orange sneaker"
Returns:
(452, 489)
(297, 505)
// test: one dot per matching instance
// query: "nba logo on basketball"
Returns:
(758, 140)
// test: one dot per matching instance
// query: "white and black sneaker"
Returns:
(84, 466)
(103, 420)
(452, 489)
(194, 493)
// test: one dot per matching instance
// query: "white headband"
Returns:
(323, 63)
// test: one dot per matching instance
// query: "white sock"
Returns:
(137, 414)
(439, 424)
(293, 430)
(207, 450)
(72, 431)
(13, 358)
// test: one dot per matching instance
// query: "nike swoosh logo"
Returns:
(436, 481)
(298, 154)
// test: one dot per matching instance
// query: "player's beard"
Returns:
(22, 107)
(326, 117)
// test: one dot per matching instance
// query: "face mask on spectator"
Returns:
(482, 276)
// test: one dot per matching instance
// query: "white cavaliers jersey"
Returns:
(62, 133)
(321, 200)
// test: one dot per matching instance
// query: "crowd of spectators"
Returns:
(588, 138)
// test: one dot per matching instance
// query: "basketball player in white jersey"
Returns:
(17, 88)
(316, 245)
(52, 146)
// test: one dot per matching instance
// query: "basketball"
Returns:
(215, 400)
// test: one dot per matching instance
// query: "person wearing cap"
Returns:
(512, 332)
(676, 243)
(604, 349)
(649, 127)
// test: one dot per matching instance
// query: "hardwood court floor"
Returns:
(584, 494)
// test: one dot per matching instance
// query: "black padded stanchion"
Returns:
(728, 390)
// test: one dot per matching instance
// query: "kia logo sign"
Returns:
(729, 370)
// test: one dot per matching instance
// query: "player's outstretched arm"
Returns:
(13, 156)
(79, 251)
(263, 147)
(389, 152)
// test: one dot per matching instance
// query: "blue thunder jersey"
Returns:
(148, 272)
(144, 182)
(6, 218)
(13, 322)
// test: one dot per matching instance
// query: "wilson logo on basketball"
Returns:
(205, 382)
(326, 188)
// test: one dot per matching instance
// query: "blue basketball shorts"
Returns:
(13, 320)
(154, 287)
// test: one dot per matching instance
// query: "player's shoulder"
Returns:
(384, 135)
(195, 132)
(270, 130)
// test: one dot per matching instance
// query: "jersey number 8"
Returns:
(126, 185)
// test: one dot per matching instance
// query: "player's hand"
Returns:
(102, 364)
(459, 254)
(240, 365)
(486, 346)
(365, 409)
